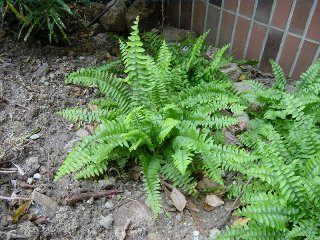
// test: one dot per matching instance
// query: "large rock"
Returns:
(93, 10)
(115, 19)
(173, 34)
(148, 11)
(232, 70)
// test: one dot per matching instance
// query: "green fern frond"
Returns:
(166, 127)
(191, 138)
(270, 215)
(196, 51)
(182, 158)
(308, 229)
(214, 122)
(152, 41)
(214, 64)
(86, 153)
(107, 83)
(307, 79)
(80, 114)
(151, 168)
(186, 181)
(253, 231)
(281, 81)
(311, 168)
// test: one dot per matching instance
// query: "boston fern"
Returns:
(156, 114)
(284, 139)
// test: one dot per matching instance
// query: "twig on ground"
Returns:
(8, 171)
(84, 196)
(13, 198)
(225, 220)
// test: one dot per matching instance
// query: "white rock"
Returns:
(109, 204)
(29, 180)
(35, 136)
(82, 132)
(37, 176)
(90, 201)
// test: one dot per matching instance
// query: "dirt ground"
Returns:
(33, 91)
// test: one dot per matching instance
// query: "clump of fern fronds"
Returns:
(284, 139)
(39, 15)
(155, 114)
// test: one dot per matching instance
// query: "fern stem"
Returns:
(234, 204)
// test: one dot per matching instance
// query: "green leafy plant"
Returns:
(41, 15)
(158, 113)
(283, 202)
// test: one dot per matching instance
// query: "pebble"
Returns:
(37, 176)
(29, 180)
(109, 204)
(82, 133)
(35, 136)
(31, 165)
(106, 221)
(42, 70)
(49, 206)
(90, 201)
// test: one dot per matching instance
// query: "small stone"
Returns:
(35, 136)
(211, 53)
(106, 221)
(213, 233)
(90, 201)
(82, 133)
(49, 206)
(42, 70)
(29, 180)
(109, 204)
(37, 176)
(31, 165)
(213, 200)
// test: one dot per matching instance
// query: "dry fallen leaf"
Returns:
(214, 200)
(178, 199)
(241, 222)
(206, 207)
(21, 210)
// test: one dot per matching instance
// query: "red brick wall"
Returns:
(285, 30)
